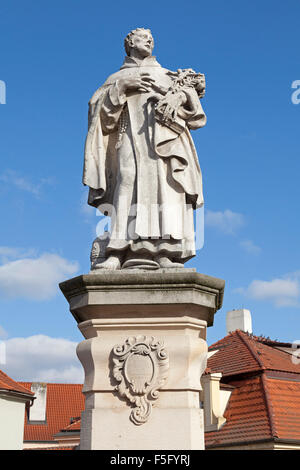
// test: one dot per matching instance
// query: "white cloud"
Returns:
(282, 292)
(69, 374)
(11, 177)
(35, 278)
(9, 253)
(249, 246)
(42, 358)
(228, 222)
(3, 333)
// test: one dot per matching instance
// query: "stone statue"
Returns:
(140, 161)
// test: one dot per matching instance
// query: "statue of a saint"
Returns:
(140, 161)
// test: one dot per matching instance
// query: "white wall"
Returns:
(37, 411)
(12, 412)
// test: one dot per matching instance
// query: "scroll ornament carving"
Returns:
(141, 367)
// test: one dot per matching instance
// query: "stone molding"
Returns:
(107, 294)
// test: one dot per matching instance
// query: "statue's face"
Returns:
(142, 41)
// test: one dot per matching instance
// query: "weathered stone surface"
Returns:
(172, 308)
(140, 161)
(112, 294)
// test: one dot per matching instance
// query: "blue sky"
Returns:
(54, 55)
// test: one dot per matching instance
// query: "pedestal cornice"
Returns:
(109, 293)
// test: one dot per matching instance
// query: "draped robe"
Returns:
(143, 174)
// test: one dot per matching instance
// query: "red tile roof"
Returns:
(75, 426)
(64, 401)
(240, 353)
(265, 404)
(261, 408)
(284, 398)
(6, 383)
(246, 416)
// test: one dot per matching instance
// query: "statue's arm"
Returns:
(116, 98)
(191, 110)
(112, 107)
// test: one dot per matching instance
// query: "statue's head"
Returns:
(141, 40)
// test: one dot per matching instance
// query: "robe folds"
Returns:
(140, 172)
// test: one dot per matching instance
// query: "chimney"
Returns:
(239, 320)
(37, 412)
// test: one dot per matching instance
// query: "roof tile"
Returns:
(240, 353)
(6, 383)
(246, 416)
(63, 402)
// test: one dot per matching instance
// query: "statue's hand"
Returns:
(168, 105)
(142, 83)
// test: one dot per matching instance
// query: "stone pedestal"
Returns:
(143, 356)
